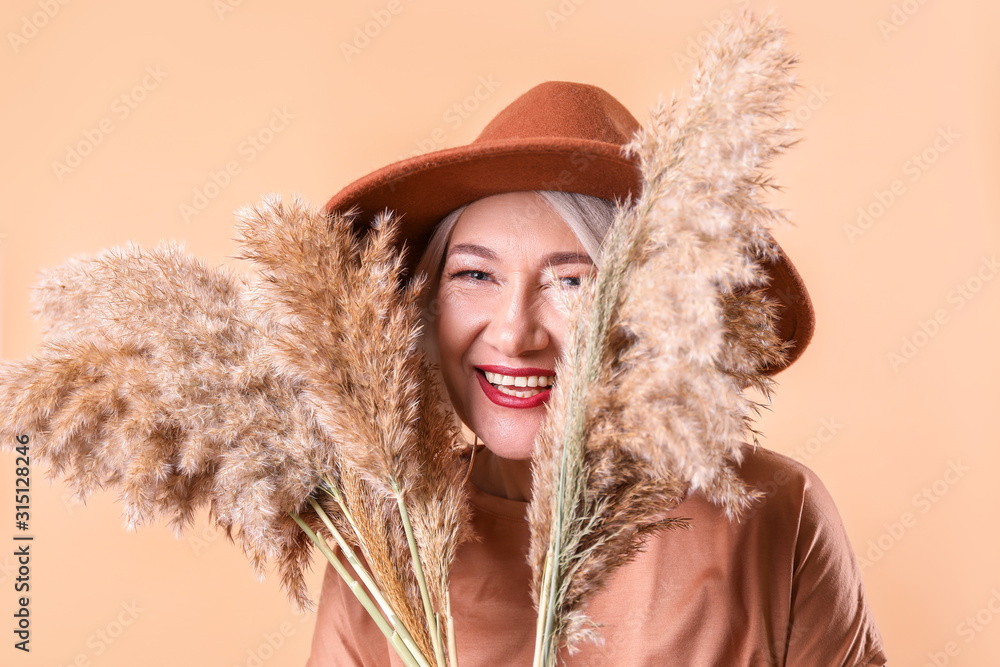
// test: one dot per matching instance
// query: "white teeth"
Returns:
(499, 380)
(504, 389)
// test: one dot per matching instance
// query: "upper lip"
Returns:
(516, 372)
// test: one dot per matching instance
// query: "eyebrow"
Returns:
(472, 249)
(568, 258)
(552, 259)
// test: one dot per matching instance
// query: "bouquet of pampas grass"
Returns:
(665, 338)
(296, 404)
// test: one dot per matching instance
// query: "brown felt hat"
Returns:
(557, 136)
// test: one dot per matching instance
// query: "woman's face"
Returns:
(499, 327)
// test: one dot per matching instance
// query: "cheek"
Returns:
(449, 332)
(453, 334)
(557, 327)
(461, 315)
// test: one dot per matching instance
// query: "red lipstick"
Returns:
(514, 372)
(506, 400)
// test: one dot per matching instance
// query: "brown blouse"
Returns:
(782, 587)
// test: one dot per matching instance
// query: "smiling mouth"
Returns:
(518, 386)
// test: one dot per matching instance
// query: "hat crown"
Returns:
(563, 109)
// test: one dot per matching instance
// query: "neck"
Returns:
(497, 476)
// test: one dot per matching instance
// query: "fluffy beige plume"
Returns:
(151, 379)
(650, 401)
(441, 516)
(348, 334)
(184, 385)
(702, 165)
(347, 329)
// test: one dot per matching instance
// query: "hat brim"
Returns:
(425, 188)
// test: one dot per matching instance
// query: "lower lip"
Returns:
(506, 401)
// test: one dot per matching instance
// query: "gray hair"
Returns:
(588, 217)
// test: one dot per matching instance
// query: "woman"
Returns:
(780, 587)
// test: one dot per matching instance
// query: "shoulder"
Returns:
(793, 527)
(829, 615)
(772, 473)
(795, 505)
(787, 487)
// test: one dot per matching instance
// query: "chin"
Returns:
(506, 432)
(512, 452)
(510, 436)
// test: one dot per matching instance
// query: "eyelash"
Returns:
(467, 273)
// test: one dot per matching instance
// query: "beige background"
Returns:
(882, 82)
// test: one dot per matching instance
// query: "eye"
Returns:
(568, 279)
(470, 274)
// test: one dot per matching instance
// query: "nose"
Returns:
(516, 327)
